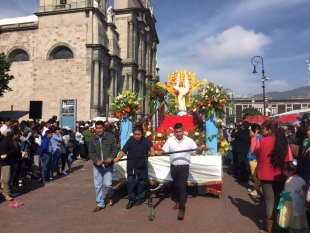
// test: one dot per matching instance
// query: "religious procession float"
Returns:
(183, 99)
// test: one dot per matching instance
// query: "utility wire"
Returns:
(272, 86)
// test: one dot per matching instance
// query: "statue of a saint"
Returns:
(110, 14)
(182, 89)
(96, 3)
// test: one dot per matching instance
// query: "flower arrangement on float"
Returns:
(210, 99)
(156, 94)
(159, 137)
(126, 103)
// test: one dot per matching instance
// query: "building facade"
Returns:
(273, 106)
(75, 49)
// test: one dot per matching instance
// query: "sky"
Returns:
(218, 39)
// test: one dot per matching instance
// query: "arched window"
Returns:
(61, 52)
(19, 55)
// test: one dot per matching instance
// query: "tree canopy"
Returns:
(5, 65)
(251, 111)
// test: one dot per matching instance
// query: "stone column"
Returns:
(142, 54)
(112, 83)
(116, 82)
(102, 106)
(96, 84)
(130, 79)
(139, 90)
(131, 43)
(146, 100)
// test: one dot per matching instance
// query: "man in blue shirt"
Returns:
(137, 147)
(45, 152)
(56, 141)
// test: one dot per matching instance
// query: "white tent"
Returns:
(110, 119)
(300, 111)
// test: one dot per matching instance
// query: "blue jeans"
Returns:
(103, 175)
(131, 185)
(46, 166)
(23, 146)
(55, 162)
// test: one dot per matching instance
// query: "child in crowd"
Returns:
(255, 131)
(292, 211)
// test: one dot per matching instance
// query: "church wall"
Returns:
(65, 78)
(23, 72)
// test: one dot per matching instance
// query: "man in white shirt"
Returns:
(179, 168)
(6, 125)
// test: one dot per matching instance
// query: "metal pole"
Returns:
(255, 61)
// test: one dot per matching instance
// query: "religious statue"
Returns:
(182, 89)
(181, 84)
(151, 10)
(96, 3)
(110, 14)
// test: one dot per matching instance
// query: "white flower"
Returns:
(185, 133)
(171, 135)
(196, 134)
(119, 97)
(159, 135)
(170, 128)
(131, 134)
(148, 133)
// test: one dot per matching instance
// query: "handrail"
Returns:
(159, 114)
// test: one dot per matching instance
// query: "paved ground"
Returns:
(66, 205)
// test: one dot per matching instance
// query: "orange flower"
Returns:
(124, 114)
(209, 103)
(127, 109)
(118, 113)
(137, 108)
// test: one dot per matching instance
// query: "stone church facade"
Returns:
(71, 49)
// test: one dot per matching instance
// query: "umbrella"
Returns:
(289, 118)
(256, 119)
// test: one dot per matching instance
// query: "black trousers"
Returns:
(241, 167)
(179, 175)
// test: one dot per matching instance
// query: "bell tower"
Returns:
(65, 5)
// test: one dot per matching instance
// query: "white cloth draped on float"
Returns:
(203, 170)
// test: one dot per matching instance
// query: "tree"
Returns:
(250, 112)
(230, 120)
(5, 65)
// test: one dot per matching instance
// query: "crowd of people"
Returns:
(277, 159)
(40, 151)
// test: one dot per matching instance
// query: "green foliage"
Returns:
(251, 111)
(5, 65)
(230, 120)
(155, 93)
(171, 109)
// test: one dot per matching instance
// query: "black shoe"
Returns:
(130, 204)
(139, 202)
(60, 174)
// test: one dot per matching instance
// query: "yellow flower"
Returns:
(130, 101)
(222, 144)
(127, 93)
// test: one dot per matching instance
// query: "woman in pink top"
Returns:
(272, 151)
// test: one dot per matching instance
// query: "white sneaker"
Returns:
(254, 193)
(65, 173)
(250, 190)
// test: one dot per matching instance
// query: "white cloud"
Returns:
(231, 44)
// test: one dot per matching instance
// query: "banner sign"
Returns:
(68, 114)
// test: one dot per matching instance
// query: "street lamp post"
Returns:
(233, 104)
(255, 61)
